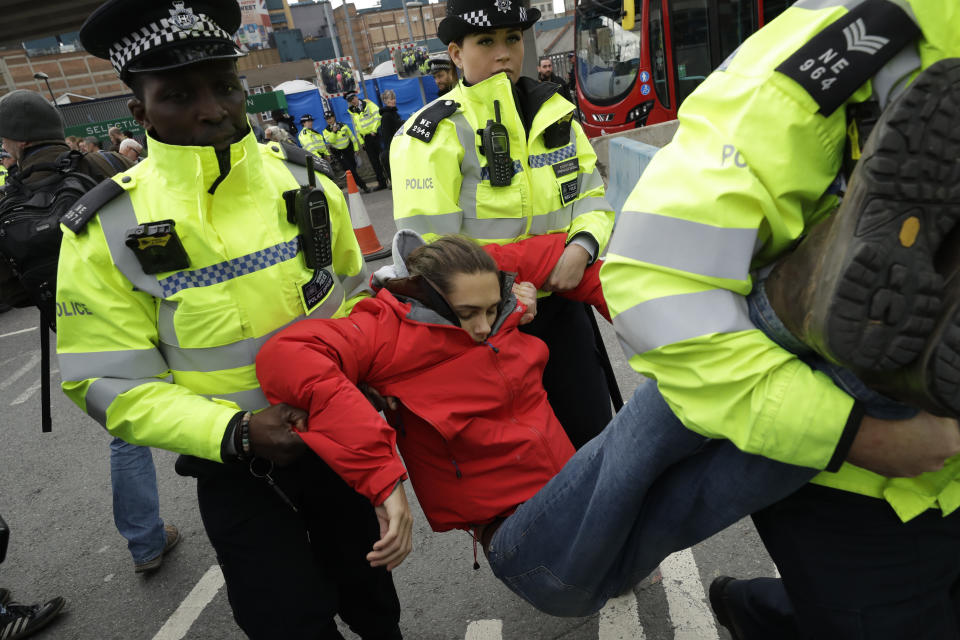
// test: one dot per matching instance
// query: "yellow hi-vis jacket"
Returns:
(342, 139)
(166, 360)
(313, 142)
(442, 185)
(368, 120)
(745, 176)
(3, 175)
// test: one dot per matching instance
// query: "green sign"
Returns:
(262, 102)
(100, 129)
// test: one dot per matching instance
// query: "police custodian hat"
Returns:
(155, 36)
(472, 16)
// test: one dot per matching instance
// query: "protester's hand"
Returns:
(272, 434)
(527, 294)
(568, 271)
(379, 402)
(396, 531)
(905, 448)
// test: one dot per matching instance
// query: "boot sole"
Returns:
(903, 200)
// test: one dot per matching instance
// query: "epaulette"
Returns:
(77, 217)
(844, 55)
(295, 155)
(428, 120)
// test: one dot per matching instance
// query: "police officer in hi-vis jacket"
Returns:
(185, 264)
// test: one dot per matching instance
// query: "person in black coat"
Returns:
(390, 122)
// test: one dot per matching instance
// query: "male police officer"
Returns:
(443, 72)
(366, 121)
(343, 147)
(310, 139)
(179, 270)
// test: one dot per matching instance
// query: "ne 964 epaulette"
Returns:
(426, 122)
(847, 53)
(77, 216)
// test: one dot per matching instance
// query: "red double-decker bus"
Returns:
(638, 59)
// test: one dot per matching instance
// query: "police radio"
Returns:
(496, 148)
(307, 208)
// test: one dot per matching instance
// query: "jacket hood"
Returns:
(427, 304)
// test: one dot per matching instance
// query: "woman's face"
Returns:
(390, 101)
(475, 297)
(485, 54)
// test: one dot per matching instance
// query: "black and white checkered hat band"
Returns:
(158, 33)
(523, 14)
(477, 18)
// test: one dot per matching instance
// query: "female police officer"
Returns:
(499, 158)
(177, 271)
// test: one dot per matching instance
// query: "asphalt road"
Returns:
(55, 495)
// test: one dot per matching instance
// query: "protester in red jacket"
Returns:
(401, 345)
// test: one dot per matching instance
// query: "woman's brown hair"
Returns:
(444, 258)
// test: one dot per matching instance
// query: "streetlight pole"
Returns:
(413, 3)
(40, 75)
(328, 13)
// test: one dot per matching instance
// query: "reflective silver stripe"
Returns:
(166, 330)
(354, 285)
(892, 77)
(558, 219)
(469, 166)
(116, 218)
(250, 400)
(440, 224)
(242, 353)
(664, 321)
(591, 181)
(590, 204)
(101, 394)
(135, 363)
(494, 228)
(684, 245)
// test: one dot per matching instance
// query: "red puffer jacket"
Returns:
(475, 429)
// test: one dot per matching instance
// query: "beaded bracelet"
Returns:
(245, 434)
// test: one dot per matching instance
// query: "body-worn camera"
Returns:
(157, 247)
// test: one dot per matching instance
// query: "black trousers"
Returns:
(349, 163)
(288, 573)
(851, 570)
(371, 144)
(574, 379)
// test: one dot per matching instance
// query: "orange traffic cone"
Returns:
(370, 247)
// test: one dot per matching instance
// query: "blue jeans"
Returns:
(136, 505)
(643, 489)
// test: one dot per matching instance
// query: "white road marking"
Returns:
(484, 630)
(23, 397)
(177, 625)
(16, 333)
(620, 620)
(686, 600)
(22, 371)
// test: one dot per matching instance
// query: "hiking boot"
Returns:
(173, 537)
(22, 621)
(863, 289)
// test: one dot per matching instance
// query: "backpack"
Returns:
(30, 226)
(30, 243)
